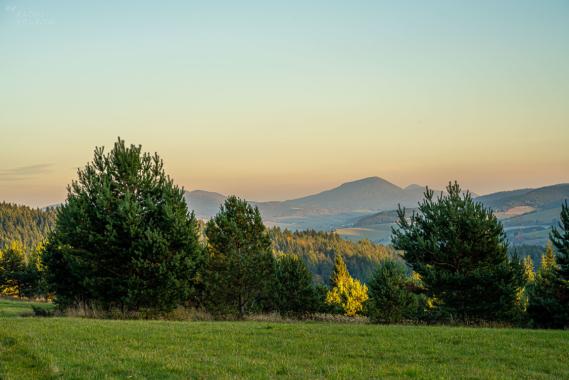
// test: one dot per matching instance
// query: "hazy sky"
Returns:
(272, 100)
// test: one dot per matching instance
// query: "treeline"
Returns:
(24, 224)
(125, 240)
(318, 251)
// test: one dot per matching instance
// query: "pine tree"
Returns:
(240, 260)
(124, 237)
(460, 251)
(544, 307)
(347, 294)
(549, 300)
(295, 294)
(560, 239)
(390, 299)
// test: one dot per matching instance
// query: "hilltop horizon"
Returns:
(268, 199)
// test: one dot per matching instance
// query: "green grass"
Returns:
(74, 348)
(11, 308)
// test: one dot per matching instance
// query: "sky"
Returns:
(273, 100)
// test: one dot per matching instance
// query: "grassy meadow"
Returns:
(51, 348)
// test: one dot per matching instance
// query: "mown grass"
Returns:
(75, 348)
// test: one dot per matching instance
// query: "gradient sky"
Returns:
(273, 100)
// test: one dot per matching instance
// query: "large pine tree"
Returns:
(241, 265)
(459, 249)
(124, 238)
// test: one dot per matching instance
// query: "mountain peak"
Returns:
(370, 181)
(414, 186)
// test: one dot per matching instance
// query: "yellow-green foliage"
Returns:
(347, 293)
(548, 259)
(529, 273)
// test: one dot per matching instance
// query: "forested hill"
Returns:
(25, 224)
(318, 250)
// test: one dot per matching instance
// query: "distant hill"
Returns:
(527, 216)
(368, 194)
(25, 224)
(543, 197)
(205, 204)
(324, 210)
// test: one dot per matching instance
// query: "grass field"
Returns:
(46, 348)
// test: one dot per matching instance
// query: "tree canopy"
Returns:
(459, 249)
(240, 260)
(124, 237)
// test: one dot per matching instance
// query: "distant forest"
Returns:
(27, 225)
(316, 248)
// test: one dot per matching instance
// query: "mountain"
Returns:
(205, 204)
(325, 210)
(526, 214)
(368, 194)
(543, 197)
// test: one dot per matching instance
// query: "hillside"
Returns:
(541, 198)
(325, 210)
(25, 224)
(205, 204)
(318, 250)
(527, 216)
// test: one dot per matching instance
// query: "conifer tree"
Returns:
(549, 299)
(124, 237)
(295, 294)
(560, 239)
(459, 249)
(390, 299)
(347, 294)
(241, 265)
(544, 307)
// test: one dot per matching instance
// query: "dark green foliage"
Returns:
(24, 224)
(549, 295)
(294, 291)
(124, 238)
(545, 308)
(20, 275)
(241, 265)
(560, 239)
(319, 249)
(390, 296)
(458, 247)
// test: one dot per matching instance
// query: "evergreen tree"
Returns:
(459, 249)
(544, 307)
(347, 294)
(549, 299)
(294, 291)
(240, 260)
(124, 238)
(390, 299)
(560, 239)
